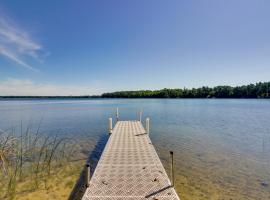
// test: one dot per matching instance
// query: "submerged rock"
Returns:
(264, 183)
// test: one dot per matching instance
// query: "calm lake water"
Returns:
(221, 147)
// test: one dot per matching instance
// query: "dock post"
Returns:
(140, 117)
(172, 169)
(87, 179)
(117, 114)
(110, 126)
(147, 125)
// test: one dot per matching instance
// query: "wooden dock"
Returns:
(129, 168)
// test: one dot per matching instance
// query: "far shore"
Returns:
(251, 91)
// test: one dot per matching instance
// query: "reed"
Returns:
(30, 155)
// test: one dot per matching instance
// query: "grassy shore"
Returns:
(37, 166)
(58, 186)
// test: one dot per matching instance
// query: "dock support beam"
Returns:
(117, 114)
(147, 124)
(110, 126)
(87, 178)
(172, 169)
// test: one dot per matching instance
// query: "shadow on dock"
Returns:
(80, 187)
(157, 192)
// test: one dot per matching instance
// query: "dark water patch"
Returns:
(97, 151)
(80, 186)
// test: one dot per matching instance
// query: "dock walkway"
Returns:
(129, 168)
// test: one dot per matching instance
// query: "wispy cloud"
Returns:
(14, 57)
(21, 87)
(16, 44)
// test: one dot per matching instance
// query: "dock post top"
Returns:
(87, 178)
(172, 169)
(140, 115)
(147, 124)
(117, 114)
(110, 125)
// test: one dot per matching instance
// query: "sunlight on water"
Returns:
(221, 147)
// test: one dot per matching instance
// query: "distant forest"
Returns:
(258, 90)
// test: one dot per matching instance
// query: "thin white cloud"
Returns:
(16, 44)
(15, 58)
(25, 87)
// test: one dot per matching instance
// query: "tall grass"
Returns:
(30, 155)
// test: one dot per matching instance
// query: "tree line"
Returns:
(258, 90)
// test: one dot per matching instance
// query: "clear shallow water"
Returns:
(221, 147)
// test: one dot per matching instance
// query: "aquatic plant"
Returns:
(32, 157)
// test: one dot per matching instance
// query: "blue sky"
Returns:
(89, 47)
